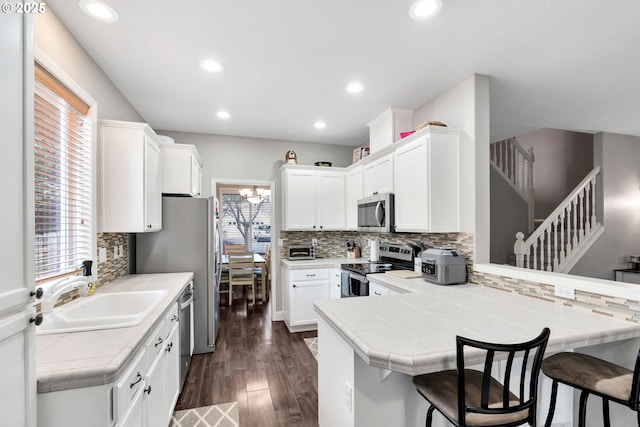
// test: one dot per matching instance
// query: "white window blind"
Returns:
(62, 157)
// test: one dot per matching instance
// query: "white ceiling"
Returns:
(566, 64)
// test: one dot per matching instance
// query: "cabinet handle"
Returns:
(311, 275)
(376, 293)
(147, 390)
(174, 318)
(37, 293)
(139, 378)
(159, 342)
(169, 347)
(37, 319)
(294, 286)
(314, 226)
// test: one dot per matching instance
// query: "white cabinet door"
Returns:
(17, 336)
(335, 283)
(303, 294)
(131, 177)
(135, 416)
(330, 203)
(181, 169)
(353, 193)
(153, 185)
(427, 184)
(155, 407)
(378, 176)
(377, 290)
(299, 198)
(173, 368)
(196, 177)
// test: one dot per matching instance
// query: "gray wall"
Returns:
(619, 157)
(55, 42)
(562, 160)
(232, 157)
(509, 215)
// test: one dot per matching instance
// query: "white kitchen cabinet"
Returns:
(144, 395)
(376, 289)
(378, 176)
(335, 283)
(313, 199)
(17, 334)
(385, 129)
(181, 170)
(301, 289)
(353, 192)
(131, 177)
(427, 183)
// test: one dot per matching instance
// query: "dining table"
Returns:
(258, 262)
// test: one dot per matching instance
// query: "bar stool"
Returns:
(592, 375)
(476, 398)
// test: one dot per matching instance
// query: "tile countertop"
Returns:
(84, 359)
(322, 262)
(415, 333)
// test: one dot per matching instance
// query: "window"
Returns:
(244, 222)
(63, 179)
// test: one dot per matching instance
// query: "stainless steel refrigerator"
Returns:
(189, 241)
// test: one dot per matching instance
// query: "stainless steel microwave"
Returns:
(375, 213)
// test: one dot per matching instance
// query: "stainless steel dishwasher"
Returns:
(186, 331)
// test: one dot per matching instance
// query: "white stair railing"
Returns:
(516, 166)
(560, 237)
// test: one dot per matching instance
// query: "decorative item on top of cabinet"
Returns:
(313, 198)
(290, 158)
(427, 181)
(131, 177)
(181, 170)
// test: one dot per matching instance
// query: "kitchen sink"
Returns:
(103, 311)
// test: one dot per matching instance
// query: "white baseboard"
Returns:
(278, 316)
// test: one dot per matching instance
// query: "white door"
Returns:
(17, 334)
(331, 200)
(300, 200)
(303, 295)
(153, 185)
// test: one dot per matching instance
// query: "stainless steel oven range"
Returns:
(392, 257)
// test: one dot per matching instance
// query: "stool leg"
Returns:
(583, 408)
(552, 403)
(605, 412)
(429, 416)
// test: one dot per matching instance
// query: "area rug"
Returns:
(312, 343)
(222, 415)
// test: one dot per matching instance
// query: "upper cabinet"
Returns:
(181, 170)
(427, 183)
(378, 176)
(313, 199)
(131, 177)
(385, 129)
(353, 192)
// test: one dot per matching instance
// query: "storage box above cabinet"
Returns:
(181, 170)
(131, 177)
(385, 129)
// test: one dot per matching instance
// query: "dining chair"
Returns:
(264, 287)
(468, 397)
(592, 375)
(233, 248)
(241, 272)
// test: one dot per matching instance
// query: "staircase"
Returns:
(515, 164)
(565, 236)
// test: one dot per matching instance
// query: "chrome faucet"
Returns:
(67, 284)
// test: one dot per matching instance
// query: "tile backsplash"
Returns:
(332, 244)
(112, 268)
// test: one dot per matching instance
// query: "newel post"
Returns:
(519, 249)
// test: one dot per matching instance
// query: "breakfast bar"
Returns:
(371, 347)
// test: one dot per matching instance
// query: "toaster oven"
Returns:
(301, 252)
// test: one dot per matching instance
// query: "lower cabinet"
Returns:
(376, 289)
(302, 288)
(144, 395)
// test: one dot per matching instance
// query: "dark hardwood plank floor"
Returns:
(258, 363)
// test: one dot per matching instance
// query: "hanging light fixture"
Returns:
(254, 195)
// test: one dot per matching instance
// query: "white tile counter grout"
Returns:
(83, 359)
(414, 333)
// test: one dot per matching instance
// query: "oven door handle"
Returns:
(358, 277)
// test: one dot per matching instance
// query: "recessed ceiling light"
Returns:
(319, 125)
(423, 9)
(99, 10)
(211, 65)
(354, 87)
(223, 115)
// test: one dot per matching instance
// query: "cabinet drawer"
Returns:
(309, 275)
(130, 383)
(155, 343)
(170, 319)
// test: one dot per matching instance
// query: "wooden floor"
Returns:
(258, 363)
